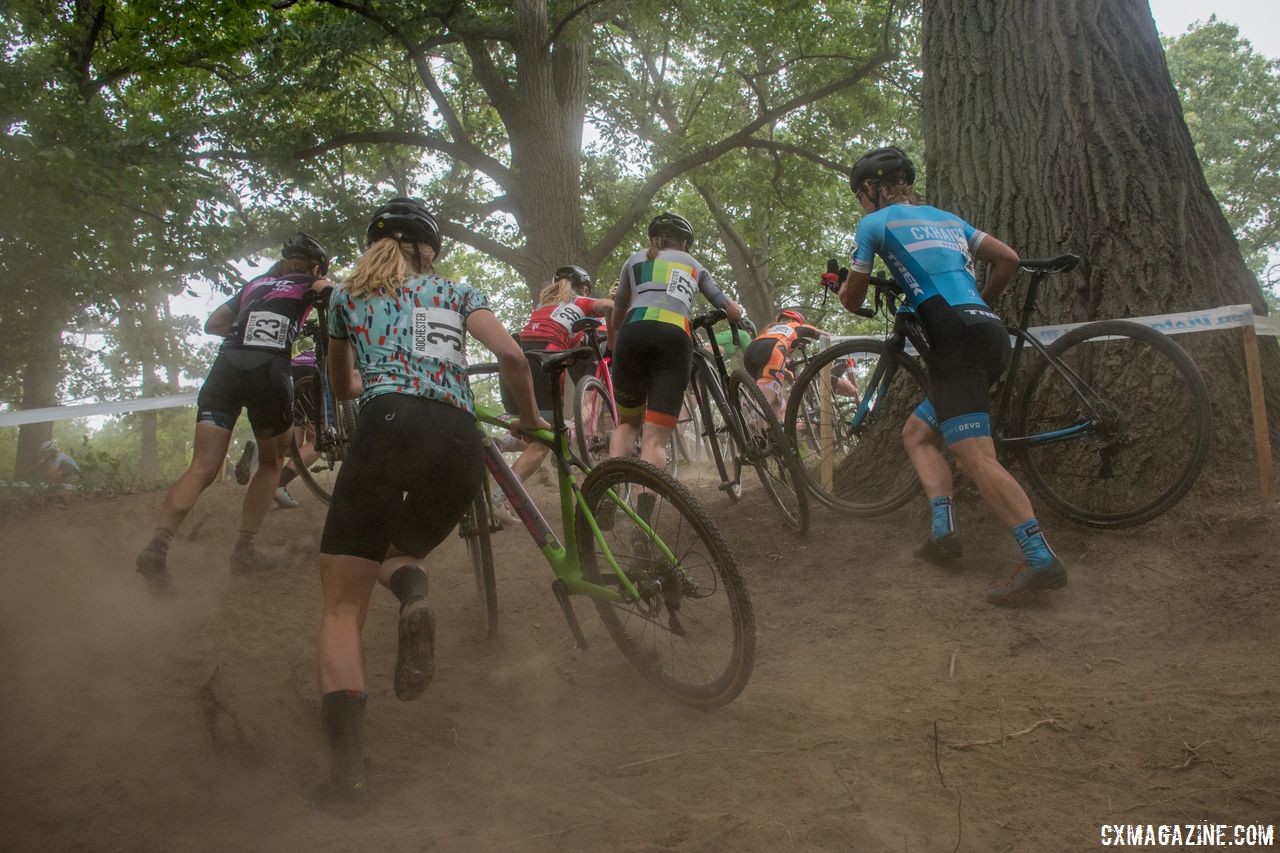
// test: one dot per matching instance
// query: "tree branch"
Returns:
(740, 138)
(480, 242)
(582, 7)
(799, 151)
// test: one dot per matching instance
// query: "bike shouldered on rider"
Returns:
(930, 253)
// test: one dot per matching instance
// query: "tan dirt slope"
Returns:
(128, 724)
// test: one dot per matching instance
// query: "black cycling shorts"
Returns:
(408, 478)
(306, 394)
(652, 361)
(254, 381)
(541, 384)
(969, 349)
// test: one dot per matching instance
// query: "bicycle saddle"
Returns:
(587, 323)
(1062, 263)
(553, 362)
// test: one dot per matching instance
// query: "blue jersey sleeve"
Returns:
(866, 243)
(472, 300)
(972, 236)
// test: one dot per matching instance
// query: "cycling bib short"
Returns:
(652, 361)
(255, 381)
(407, 479)
(968, 351)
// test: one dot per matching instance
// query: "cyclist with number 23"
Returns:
(930, 253)
(258, 326)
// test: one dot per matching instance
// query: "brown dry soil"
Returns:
(128, 724)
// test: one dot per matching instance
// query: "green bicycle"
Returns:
(640, 546)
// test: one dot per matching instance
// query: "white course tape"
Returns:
(1208, 320)
(116, 407)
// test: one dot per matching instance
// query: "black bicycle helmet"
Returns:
(404, 219)
(880, 165)
(303, 245)
(672, 224)
(575, 274)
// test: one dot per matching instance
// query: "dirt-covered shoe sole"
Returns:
(346, 802)
(1026, 581)
(416, 655)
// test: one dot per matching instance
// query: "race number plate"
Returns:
(681, 286)
(566, 315)
(266, 329)
(437, 333)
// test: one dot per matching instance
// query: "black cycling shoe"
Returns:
(344, 801)
(244, 467)
(940, 552)
(251, 561)
(151, 565)
(1026, 580)
(416, 654)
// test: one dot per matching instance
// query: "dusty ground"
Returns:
(132, 725)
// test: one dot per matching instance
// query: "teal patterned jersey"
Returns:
(413, 342)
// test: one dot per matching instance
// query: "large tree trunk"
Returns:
(1054, 125)
(40, 379)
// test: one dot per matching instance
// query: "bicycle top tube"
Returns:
(497, 417)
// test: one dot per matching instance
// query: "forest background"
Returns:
(151, 156)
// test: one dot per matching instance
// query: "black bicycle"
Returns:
(327, 425)
(1112, 425)
(739, 427)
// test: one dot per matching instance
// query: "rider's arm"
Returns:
(854, 290)
(1004, 266)
(344, 379)
(621, 303)
(601, 307)
(513, 367)
(220, 321)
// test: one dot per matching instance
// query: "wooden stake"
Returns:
(1261, 437)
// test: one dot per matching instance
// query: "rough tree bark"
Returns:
(1055, 126)
(40, 378)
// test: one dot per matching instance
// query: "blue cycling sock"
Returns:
(944, 517)
(1031, 540)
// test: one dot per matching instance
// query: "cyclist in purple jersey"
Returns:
(251, 372)
(930, 253)
(397, 339)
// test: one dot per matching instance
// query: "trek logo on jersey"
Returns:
(437, 333)
(902, 274)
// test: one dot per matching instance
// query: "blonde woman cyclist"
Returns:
(550, 328)
(397, 340)
(650, 340)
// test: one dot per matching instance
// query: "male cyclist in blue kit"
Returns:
(930, 253)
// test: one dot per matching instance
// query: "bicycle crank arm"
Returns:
(561, 592)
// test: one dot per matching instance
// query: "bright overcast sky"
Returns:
(1259, 26)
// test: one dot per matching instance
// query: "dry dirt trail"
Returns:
(128, 724)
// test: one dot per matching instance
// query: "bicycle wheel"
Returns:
(321, 472)
(594, 418)
(691, 629)
(474, 530)
(1151, 429)
(858, 465)
(720, 432)
(770, 451)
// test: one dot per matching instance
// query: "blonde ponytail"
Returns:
(386, 265)
(557, 293)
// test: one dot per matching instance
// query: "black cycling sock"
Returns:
(409, 583)
(645, 504)
(162, 539)
(286, 476)
(342, 715)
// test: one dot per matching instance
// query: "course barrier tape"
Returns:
(1208, 320)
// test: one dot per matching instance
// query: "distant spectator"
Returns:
(56, 466)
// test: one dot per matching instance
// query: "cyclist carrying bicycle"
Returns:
(931, 253)
(649, 336)
(397, 340)
(550, 329)
(258, 326)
